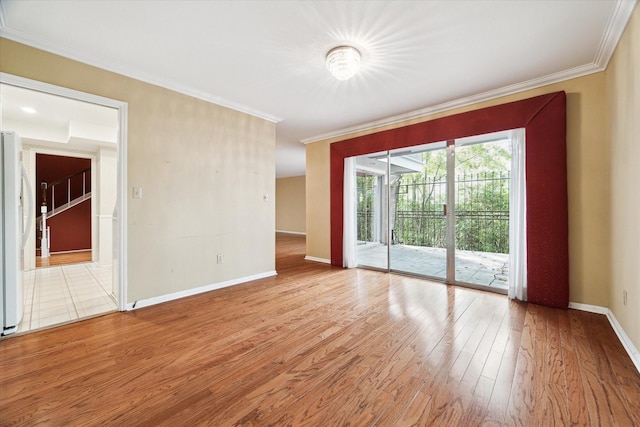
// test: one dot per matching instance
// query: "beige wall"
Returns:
(318, 193)
(290, 204)
(588, 182)
(203, 169)
(623, 87)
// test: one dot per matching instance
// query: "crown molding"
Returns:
(460, 102)
(615, 27)
(67, 52)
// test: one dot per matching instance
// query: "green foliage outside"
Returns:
(417, 199)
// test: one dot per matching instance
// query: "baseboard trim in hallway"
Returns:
(322, 260)
(297, 233)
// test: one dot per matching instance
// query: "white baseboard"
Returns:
(587, 307)
(625, 340)
(299, 233)
(75, 251)
(189, 292)
(632, 351)
(322, 260)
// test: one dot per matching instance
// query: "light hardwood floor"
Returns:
(322, 346)
(63, 259)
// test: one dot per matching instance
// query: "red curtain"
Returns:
(544, 118)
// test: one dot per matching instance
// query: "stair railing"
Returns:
(67, 179)
(45, 234)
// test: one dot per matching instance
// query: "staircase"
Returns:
(71, 203)
(75, 196)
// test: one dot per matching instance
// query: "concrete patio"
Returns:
(478, 268)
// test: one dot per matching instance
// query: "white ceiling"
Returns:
(57, 122)
(267, 57)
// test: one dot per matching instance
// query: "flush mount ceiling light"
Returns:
(29, 110)
(343, 62)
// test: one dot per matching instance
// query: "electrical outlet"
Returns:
(220, 258)
(624, 297)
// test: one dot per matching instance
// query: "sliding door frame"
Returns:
(449, 213)
(544, 120)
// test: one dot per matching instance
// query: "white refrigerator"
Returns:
(14, 230)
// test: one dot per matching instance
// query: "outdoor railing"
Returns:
(481, 213)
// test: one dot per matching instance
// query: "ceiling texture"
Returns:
(267, 58)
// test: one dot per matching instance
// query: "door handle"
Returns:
(444, 209)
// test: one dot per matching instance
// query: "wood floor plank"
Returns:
(555, 371)
(417, 410)
(321, 345)
(474, 385)
(574, 388)
(595, 394)
(542, 358)
(523, 387)
(477, 409)
(620, 366)
(556, 410)
(498, 407)
(447, 403)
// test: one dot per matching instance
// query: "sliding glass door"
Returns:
(439, 210)
(481, 199)
(373, 234)
(418, 194)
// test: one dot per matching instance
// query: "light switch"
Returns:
(137, 192)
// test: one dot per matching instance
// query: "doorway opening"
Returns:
(63, 218)
(440, 211)
(74, 151)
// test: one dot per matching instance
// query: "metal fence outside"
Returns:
(482, 212)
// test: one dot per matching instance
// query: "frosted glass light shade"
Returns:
(343, 62)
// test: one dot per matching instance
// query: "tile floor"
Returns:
(54, 295)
